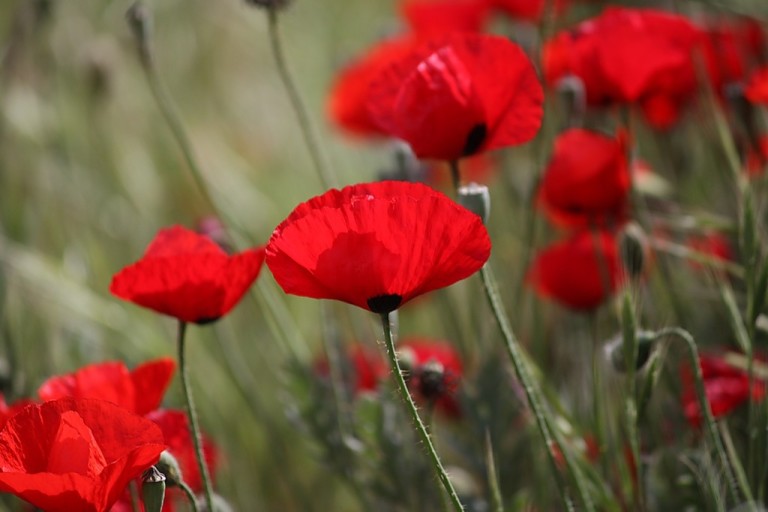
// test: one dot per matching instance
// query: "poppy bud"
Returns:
(169, 467)
(153, 490)
(476, 199)
(632, 244)
(269, 4)
(574, 98)
(140, 20)
(615, 350)
(432, 380)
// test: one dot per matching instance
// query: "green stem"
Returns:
(550, 436)
(631, 349)
(134, 492)
(323, 173)
(194, 427)
(531, 393)
(455, 175)
(190, 495)
(706, 411)
(422, 430)
(497, 504)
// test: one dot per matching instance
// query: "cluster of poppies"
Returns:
(91, 434)
(450, 92)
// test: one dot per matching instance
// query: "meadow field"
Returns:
(548, 331)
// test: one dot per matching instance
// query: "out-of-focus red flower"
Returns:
(756, 89)
(434, 17)
(346, 105)
(434, 372)
(732, 47)
(175, 428)
(458, 95)
(75, 454)
(178, 442)
(139, 391)
(187, 276)
(530, 10)
(639, 56)
(711, 244)
(587, 180)
(757, 157)
(376, 245)
(8, 411)
(726, 387)
(580, 272)
(368, 368)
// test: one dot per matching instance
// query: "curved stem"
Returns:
(548, 434)
(420, 427)
(194, 427)
(299, 108)
(190, 496)
(706, 411)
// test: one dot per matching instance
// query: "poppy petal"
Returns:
(75, 454)
(369, 243)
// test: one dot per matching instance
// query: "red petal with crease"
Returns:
(435, 17)
(75, 454)
(363, 242)
(187, 276)
(458, 95)
(347, 100)
(140, 391)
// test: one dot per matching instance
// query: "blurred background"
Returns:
(89, 171)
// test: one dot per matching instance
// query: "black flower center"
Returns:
(384, 303)
(475, 139)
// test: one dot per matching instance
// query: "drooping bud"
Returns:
(632, 246)
(140, 20)
(615, 350)
(169, 467)
(432, 383)
(476, 199)
(269, 4)
(153, 490)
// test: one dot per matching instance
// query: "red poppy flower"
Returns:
(434, 17)
(629, 56)
(347, 101)
(376, 245)
(75, 454)
(187, 276)
(710, 244)
(368, 368)
(434, 371)
(726, 387)
(139, 391)
(175, 428)
(587, 180)
(531, 10)
(458, 95)
(580, 272)
(756, 89)
(9, 411)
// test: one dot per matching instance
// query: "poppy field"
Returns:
(419, 255)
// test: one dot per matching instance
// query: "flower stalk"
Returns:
(194, 427)
(414, 413)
